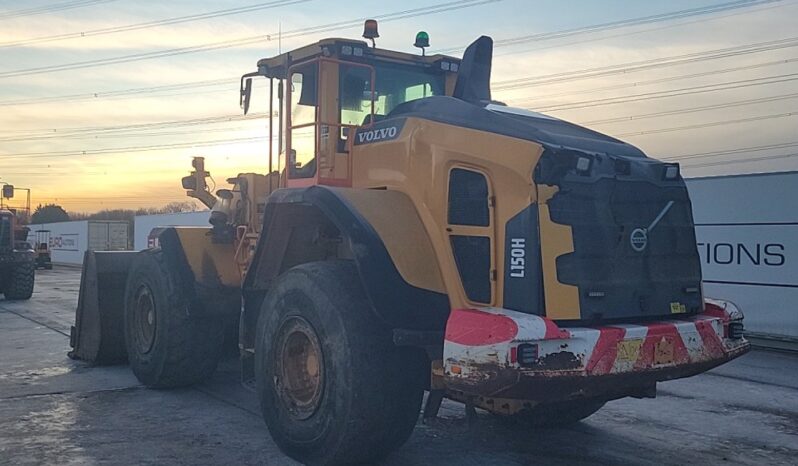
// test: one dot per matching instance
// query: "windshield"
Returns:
(395, 84)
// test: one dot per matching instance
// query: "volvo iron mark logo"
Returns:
(638, 239)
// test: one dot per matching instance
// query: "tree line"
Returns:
(54, 213)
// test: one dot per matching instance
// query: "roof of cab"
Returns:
(537, 127)
(276, 66)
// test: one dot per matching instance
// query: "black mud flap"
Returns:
(98, 334)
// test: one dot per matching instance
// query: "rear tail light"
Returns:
(671, 171)
(736, 330)
(583, 165)
(528, 354)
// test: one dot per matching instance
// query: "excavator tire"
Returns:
(557, 414)
(333, 387)
(166, 346)
(20, 282)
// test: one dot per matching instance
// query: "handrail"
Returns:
(318, 123)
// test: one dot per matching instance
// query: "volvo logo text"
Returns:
(375, 135)
(638, 239)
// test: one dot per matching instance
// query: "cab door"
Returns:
(470, 227)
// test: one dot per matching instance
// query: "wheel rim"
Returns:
(145, 321)
(299, 374)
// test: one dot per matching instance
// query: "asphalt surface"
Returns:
(57, 411)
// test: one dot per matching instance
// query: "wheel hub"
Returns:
(144, 320)
(299, 374)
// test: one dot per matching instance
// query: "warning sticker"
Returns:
(678, 308)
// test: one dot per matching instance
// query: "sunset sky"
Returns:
(100, 106)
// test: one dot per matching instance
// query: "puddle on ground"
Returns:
(38, 373)
(49, 433)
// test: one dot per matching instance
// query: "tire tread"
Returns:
(21, 282)
(193, 345)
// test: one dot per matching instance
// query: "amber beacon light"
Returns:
(370, 31)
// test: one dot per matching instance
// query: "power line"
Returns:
(637, 84)
(732, 162)
(123, 92)
(404, 14)
(718, 153)
(152, 24)
(738, 103)
(113, 130)
(544, 79)
(671, 93)
(137, 134)
(46, 170)
(122, 150)
(533, 80)
(714, 17)
(645, 65)
(708, 125)
(234, 79)
(51, 8)
(705, 10)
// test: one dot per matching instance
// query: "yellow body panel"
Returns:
(418, 163)
(562, 301)
(211, 263)
(399, 226)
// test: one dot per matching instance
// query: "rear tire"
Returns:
(166, 347)
(557, 414)
(333, 387)
(20, 281)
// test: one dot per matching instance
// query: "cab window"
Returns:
(395, 84)
(304, 107)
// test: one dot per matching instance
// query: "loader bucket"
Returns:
(98, 334)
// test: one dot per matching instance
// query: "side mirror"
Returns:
(246, 93)
(8, 191)
(189, 183)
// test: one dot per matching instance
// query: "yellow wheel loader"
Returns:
(411, 235)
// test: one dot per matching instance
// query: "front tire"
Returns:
(333, 387)
(20, 282)
(166, 347)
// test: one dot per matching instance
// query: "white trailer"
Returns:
(144, 224)
(70, 240)
(747, 233)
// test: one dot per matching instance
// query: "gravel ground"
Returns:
(57, 411)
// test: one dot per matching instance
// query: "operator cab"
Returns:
(320, 93)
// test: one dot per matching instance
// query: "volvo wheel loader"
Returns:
(411, 234)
